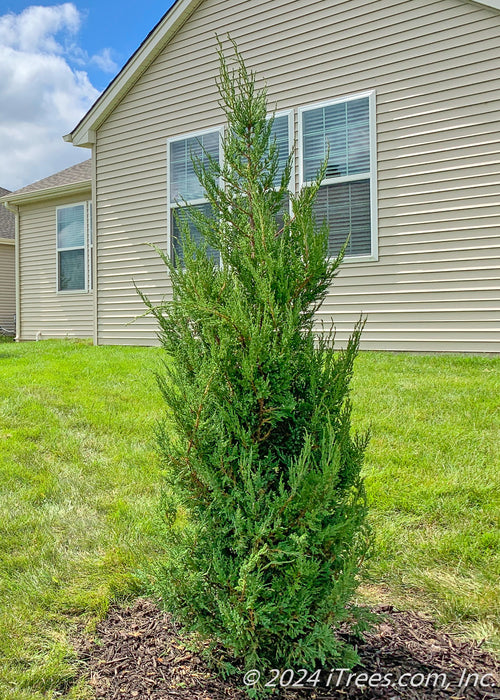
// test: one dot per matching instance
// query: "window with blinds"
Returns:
(72, 244)
(341, 131)
(281, 133)
(184, 187)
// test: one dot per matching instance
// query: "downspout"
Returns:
(17, 256)
(93, 195)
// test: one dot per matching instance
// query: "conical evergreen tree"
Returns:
(264, 503)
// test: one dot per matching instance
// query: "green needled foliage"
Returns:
(264, 503)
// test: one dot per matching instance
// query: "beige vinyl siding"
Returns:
(435, 67)
(44, 310)
(7, 287)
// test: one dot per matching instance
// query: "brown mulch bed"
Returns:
(139, 652)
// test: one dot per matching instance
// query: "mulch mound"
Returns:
(139, 652)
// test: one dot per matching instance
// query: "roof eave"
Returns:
(84, 133)
(47, 193)
(495, 4)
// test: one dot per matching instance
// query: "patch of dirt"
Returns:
(139, 652)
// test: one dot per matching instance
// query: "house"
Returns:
(7, 270)
(407, 95)
(54, 255)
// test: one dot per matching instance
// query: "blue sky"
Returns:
(56, 58)
(119, 26)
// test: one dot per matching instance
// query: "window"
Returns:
(282, 131)
(344, 129)
(346, 201)
(184, 187)
(74, 240)
(91, 245)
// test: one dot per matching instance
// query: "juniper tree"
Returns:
(264, 504)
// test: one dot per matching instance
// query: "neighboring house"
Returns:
(55, 297)
(7, 270)
(406, 93)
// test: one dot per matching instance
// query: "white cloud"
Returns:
(35, 28)
(41, 96)
(104, 61)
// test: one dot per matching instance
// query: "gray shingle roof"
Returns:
(81, 172)
(7, 219)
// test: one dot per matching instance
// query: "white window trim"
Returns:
(90, 245)
(371, 94)
(86, 246)
(177, 205)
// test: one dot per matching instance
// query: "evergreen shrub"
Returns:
(264, 504)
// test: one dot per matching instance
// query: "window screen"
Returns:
(71, 247)
(341, 132)
(280, 131)
(185, 188)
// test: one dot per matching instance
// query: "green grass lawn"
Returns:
(79, 486)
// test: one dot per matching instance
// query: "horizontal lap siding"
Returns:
(436, 70)
(7, 287)
(43, 310)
